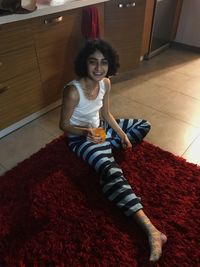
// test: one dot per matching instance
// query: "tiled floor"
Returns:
(164, 90)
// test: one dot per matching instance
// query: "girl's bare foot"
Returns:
(156, 238)
(156, 242)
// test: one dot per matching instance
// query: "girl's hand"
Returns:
(125, 142)
(92, 136)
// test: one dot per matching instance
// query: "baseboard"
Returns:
(156, 52)
(28, 119)
(185, 47)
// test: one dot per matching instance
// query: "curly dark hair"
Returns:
(90, 47)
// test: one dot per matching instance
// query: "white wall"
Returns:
(188, 31)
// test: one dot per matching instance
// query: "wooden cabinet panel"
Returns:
(15, 35)
(17, 62)
(55, 65)
(20, 86)
(57, 44)
(57, 30)
(123, 29)
(20, 97)
(147, 26)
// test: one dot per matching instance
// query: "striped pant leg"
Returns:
(136, 130)
(114, 185)
(117, 189)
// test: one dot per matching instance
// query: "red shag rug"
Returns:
(52, 211)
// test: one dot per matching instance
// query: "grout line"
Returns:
(198, 136)
(169, 115)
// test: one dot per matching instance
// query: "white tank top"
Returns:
(86, 113)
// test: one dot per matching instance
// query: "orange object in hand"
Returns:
(101, 132)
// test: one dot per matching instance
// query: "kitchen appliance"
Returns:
(163, 18)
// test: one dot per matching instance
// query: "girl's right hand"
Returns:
(91, 136)
(125, 142)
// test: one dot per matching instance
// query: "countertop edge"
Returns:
(47, 9)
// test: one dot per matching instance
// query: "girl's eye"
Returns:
(92, 62)
(104, 62)
(95, 62)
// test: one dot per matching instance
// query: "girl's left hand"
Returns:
(125, 142)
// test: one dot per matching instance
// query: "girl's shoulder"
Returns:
(73, 83)
(71, 92)
(107, 84)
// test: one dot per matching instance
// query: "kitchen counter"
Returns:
(49, 9)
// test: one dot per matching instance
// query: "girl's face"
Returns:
(97, 66)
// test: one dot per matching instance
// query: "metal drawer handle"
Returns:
(130, 5)
(4, 89)
(127, 5)
(53, 20)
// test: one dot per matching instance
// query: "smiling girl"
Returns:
(85, 101)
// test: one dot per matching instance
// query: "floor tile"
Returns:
(171, 134)
(183, 107)
(149, 94)
(123, 107)
(21, 144)
(192, 154)
(192, 87)
(50, 122)
(170, 79)
(191, 68)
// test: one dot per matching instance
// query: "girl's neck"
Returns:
(90, 88)
(90, 84)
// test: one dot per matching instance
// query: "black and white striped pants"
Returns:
(100, 157)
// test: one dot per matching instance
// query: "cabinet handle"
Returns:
(1, 64)
(127, 5)
(53, 20)
(133, 4)
(4, 89)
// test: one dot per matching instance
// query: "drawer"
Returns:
(20, 97)
(15, 35)
(17, 62)
(57, 28)
(123, 8)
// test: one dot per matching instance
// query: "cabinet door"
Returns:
(58, 39)
(20, 97)
(15, 36)
(56, 69)
(17, 62)
(123, 29)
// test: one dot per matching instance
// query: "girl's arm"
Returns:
(69, 102)
(110, 119)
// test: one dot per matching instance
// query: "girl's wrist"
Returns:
(85, 131)
(122, 135)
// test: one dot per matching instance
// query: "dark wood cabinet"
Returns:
(123, 29)
(36, 60)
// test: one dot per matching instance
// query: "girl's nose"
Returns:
(98, 66)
